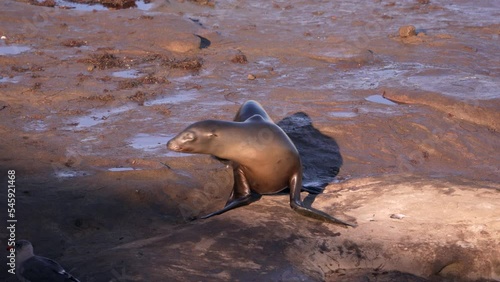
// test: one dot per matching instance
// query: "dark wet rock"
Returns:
(44, 3)
(239, 58)
(118, 3)
(192, 64)
(148, 79)
(407, 31)
(73, 43)
(103, 61)
(115, 4)
(129, 83)
(186, 63)
(102, 98)
(139, 97)
(31, 68)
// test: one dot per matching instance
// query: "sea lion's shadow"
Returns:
(319, 153)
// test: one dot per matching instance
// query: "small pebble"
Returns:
(407, 31)
(251, 77)
(398, 216)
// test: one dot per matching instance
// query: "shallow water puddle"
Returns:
(380, 100)
(123, 169)
(14, 79)
(152, 143)
(97, 117)
(126, 74)
(343, 114)
(141, 5)
(69, 173)
(148, 142)
(13, 50)
(181, 96)
(36, 125)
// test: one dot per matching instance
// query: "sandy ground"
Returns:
(90, 98)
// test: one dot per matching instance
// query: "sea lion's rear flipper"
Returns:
(298, 206)
(317, 214)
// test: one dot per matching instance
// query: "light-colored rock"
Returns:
(182, 43)
(407, 31)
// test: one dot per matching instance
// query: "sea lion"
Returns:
(264, 159)
(30, 267)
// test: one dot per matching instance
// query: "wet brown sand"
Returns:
(88, 101)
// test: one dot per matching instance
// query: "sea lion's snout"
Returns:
(172, 145)
(182, 142)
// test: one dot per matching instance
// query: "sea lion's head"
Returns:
(200, 137)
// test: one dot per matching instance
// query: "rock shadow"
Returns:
(320, 154)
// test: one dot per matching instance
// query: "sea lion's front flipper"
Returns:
(241, 194)
(298, 206)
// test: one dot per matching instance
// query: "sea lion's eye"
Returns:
(212, 134)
